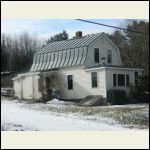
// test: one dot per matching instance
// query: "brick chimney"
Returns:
(78, 34)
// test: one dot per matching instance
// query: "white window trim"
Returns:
(97, 81)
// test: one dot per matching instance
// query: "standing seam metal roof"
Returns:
(63, 53)
(69, 44)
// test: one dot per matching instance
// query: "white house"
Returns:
(75, 68)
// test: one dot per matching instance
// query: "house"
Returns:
(75, 68)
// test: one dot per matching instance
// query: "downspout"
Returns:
(105, 82)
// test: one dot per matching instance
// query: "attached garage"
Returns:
(26, 86)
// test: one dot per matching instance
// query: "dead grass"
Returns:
(128, 116)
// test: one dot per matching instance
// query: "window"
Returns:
(136, 74)
(96, 55)
(136, 77)
(114, 80)
(70, 82)
(109, 56)
(94, 79)
(127, 80)
(121, 80)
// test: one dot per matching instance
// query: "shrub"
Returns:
(116, 97)
(141, 93)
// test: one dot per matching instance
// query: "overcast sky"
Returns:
(49, 27)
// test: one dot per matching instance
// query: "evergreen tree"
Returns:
(58, 37)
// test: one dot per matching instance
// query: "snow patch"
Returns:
(20, 116)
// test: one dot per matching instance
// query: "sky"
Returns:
(49, 27)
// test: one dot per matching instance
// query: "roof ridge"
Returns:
(84, 40)
(76, 38)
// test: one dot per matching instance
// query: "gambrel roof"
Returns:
(63, 53)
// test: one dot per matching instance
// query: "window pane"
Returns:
(114, 79)
(70, 82)
(127, 80)
(94, 79)
(96, 55)
(94, 75)
(121, 80)
(94, 83)
(70, 77)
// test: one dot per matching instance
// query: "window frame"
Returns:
(109, 56)
(127, 80)
(136, 75)
(118, 80)
(70, 81)
(94, 80)
(96, 55)
(114, 79)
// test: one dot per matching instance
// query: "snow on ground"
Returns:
(53, 116)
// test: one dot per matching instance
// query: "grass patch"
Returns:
(128, 116)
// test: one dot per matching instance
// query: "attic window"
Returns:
(96, 55)
(109, 56)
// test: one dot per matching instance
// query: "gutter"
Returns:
(118, 68)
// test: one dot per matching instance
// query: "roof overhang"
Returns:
(113, 68)
(25, 74)
(49, 73)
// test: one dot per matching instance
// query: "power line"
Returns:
(112, 26)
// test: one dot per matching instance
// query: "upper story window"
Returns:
(94, 79)
(70, 82)
(96, 55)
(109, 56)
